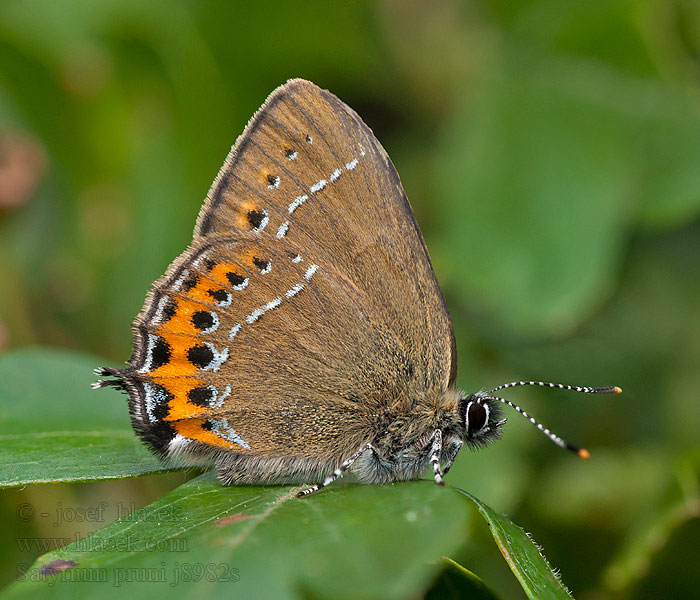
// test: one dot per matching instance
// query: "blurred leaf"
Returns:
(612, 32)
(663, 576)
(457, 582)
(669, 181)
(53, 427)
(536, 576)
(614, 489)
(538, 179)
(648, 539)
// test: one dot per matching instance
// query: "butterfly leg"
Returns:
(450, 456)
(338, 472)
(435, 456)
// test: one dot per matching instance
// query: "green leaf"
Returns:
(349, 541)
(534, 181)
(457, 582)
(640, 559)
(543, 175)
(536, 576)
(204, 539)
(73, 456)
(669, 186)
(54, 427)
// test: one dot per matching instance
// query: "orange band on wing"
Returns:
(194, 429)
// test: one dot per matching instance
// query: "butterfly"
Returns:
(303, 332)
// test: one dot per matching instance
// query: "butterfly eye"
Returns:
(477, 417)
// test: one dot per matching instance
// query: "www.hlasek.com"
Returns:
(93, 543)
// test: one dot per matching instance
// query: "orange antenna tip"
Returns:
(617, 390)
(584, 454)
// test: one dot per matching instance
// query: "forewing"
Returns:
(311, 166)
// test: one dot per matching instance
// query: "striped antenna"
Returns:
(582, 452)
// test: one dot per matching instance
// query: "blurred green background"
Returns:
(551, 152)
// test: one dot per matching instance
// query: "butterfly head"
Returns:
(481, 416)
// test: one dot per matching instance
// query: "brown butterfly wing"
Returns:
(304, 137)
(306, 307)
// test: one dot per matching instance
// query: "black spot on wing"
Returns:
(234, 278)
(160, 354)
(202, 320)
(255, 218)
(218, 295)
(201, 396)
(200, 356)
(261, 263)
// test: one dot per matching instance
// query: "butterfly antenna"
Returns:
(582, 452)
(608, 389)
